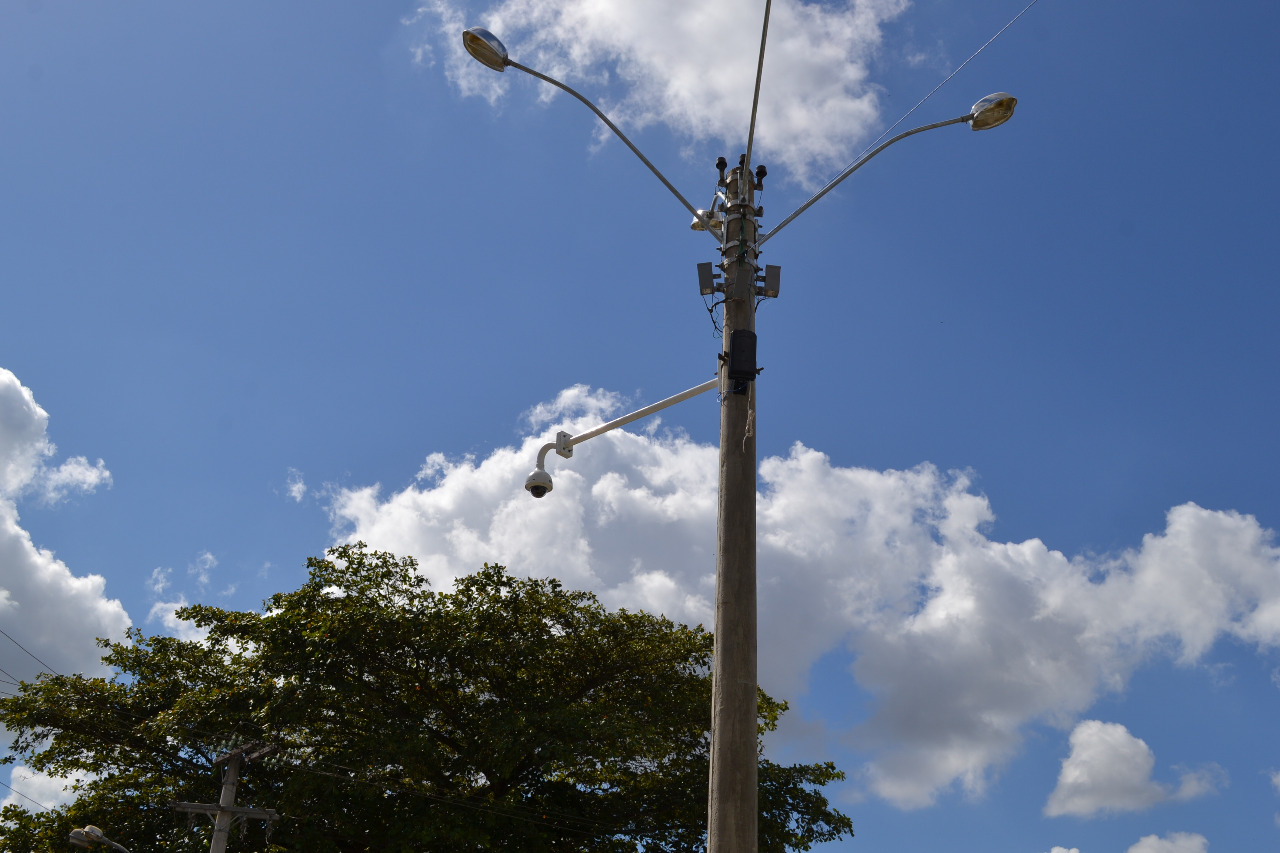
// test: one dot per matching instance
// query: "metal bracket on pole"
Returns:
(563, 448)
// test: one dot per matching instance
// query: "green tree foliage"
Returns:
(509, 714)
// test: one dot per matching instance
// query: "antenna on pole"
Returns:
(755, 99)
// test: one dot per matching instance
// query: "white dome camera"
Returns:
(538, 483)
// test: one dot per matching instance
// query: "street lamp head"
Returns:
(992, 111)
(485, 48)
(79, 839)
(93, 833)
(538, 483)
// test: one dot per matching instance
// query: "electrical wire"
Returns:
(711, 310)
(25, 797)
(33, 657)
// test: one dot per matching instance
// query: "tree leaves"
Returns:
(510, 713)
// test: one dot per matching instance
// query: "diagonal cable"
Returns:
(25, 797)
(28, 651)
(946, 80)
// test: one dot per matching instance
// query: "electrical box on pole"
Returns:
(742, 359)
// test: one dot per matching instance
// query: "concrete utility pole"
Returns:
(733, 802)
(731, 807)
(226, 812)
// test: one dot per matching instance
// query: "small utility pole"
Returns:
(732, 795)
(226, 812)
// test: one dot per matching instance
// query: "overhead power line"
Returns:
(25, 797)
(945, 80)
(29, 653)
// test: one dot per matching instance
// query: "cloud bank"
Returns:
(1177, 842)
(1109, 770)
(38, 592)
(691, 67)
(962, 641)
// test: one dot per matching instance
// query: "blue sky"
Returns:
(277, 277)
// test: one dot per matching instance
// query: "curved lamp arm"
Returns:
(488, 50)
(991, 111)
(858, 164)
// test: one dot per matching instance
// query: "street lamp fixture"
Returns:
(91, 835)
(485, 48)
(992, 111)
(733, 801)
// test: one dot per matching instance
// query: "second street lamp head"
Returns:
(485, 48)
(992, 111)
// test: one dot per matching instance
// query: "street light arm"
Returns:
(858, 164)
(623, 421)
(706, 223)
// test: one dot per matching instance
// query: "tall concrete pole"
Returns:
(732, 797)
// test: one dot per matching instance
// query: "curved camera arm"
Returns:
(564, 442)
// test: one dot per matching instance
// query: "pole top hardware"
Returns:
(250, 751)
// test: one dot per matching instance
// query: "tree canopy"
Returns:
(508, 714)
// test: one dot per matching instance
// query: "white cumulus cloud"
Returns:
(74, 475)
(54, 614)
(161, 579)
(1109, 770)
(199, 570)
(963, 641)
(295, 485)
(25, 447)
(165, 612)
(1177, 842)
(679, 64)
(40, 789)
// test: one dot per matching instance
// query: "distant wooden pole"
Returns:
(226, 811)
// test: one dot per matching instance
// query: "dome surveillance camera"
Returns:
(538, 483)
